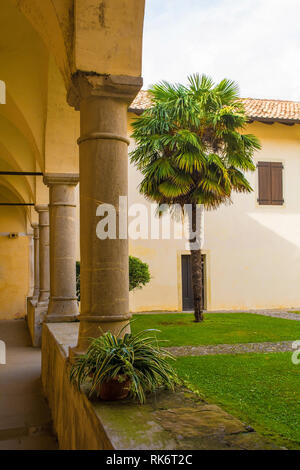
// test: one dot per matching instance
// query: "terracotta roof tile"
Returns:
(256, 109)
(141, 102)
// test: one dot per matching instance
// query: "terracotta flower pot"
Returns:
(114, 390)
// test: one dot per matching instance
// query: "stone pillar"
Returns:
(36, 261)
(63, 305)
(31, 265)
(103, 102)
(44, 268)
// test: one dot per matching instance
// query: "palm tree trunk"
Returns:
(196, 261)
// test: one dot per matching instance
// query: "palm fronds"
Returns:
(191, 140)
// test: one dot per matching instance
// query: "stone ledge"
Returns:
(169, 421)
(35, 317)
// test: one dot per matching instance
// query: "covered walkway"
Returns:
(25, 420)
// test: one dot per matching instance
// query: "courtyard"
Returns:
(240, 361)
(238, 387)
(82, 133)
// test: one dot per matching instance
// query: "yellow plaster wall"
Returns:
(161, 255)
(38, 130)
(25, 73)
(53, 21)
(109, 36)
(15, 116)
(14, 264)
(62, 129)
(255, 250)
(41, 191)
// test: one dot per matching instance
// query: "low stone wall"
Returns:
(35, 317)
(170, 421)
(75, 422)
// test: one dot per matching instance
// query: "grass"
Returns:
(260, 389)
(218, 328)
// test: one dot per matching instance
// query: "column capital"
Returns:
(52, 179)
(86, 85)
(41, 208)
(35, 225)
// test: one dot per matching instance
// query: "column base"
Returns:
(56, 318)
(35, 317)
(34, 300)
(43, 301)
(62, 309)
(89, 324)
(35, 294)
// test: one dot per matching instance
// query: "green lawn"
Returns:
(261, 389)
(218, 328)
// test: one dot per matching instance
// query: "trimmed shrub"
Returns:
(139, 275)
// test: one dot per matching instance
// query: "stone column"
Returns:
(36, 262)
(103, 102)
(63, 305)
(31, 265)
(44, 268)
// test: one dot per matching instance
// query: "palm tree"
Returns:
(191, 150)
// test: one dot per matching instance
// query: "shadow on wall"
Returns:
(255, 257)
(14, 264)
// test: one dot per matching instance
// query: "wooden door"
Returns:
(187, 288)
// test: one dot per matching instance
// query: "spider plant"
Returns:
(137, 358)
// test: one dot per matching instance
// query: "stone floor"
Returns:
(25, 420)
(280, 346)
(279, 314)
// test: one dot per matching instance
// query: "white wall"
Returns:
(253, 252)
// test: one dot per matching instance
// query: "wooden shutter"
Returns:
(270, 183)
(276, 184)
(264, 183)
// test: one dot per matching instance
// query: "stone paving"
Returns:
(279, 314)
(285, 314)
(25, 420)
(281, 346)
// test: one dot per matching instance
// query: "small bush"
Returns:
(139, 275)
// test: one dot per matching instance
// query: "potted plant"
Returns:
(118, 366)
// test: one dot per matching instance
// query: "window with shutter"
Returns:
(270, 185)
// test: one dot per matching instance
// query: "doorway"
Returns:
(187, 287)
